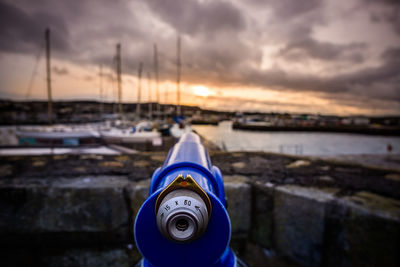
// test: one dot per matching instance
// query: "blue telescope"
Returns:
(184, 221)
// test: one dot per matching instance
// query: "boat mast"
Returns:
(178, 76)
(139, 91)
(101, 91)
(165, 101)
(48, 71)
(156, 76)
(118, 58)
(149, 89)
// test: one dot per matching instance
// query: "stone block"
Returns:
(138, 194)
(299, 214)
(257, 256)
(46, 256)
(371, 230)
(68, 210)
(15, 257)
(238, 195)
(80, 258)
(238, 245)
(262, 214)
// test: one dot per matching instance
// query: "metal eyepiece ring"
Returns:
(182, 216)
(182, 227)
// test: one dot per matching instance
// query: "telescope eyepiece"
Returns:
(182, 227)
(182, 216)
(182, 224)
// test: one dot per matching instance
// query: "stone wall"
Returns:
(285, 211)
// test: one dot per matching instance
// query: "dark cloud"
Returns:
(390, 16)
(363, 101)
(295, 19)
(387, 2)
(387, 11)
(192, 16)
(23, 32)
(305, 48)
(81, 31)
(388, 71)
(382, 82)
(290, 9)
(60, 70)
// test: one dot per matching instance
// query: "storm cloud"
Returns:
(304, 48)
(193, 17)
(336, 50)
(21, 31)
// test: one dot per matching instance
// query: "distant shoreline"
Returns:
(386, 131)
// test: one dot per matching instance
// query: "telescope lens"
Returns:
(182, 227)
(182, 224)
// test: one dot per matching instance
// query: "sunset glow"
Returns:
(282, 56)
(200, 90)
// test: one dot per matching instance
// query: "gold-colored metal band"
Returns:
(189, 183)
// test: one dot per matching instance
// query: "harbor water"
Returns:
(298, 143)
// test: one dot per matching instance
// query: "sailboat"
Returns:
(55, 135)
(125, 134)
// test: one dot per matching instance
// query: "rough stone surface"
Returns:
(68, 209)
(262, 214)
(371, 230)
(263, 167)
(327, 179)
(270, 167)
(238, 245)
(65, 209)
(393, 176)
(98, 258)
(138, 194)
(238, 165)
(238, 195)
(69, 257)
(298, 164)
(299, 215)
(372, 204)
(257, 256)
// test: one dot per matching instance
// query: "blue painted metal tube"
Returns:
(191, 155)
(184, 221)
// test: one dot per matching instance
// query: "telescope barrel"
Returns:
(184, 221)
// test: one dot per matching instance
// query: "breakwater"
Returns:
(383, 130)
(78, 210)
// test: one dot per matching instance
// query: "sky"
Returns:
(308, 56)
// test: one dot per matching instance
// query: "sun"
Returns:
(200, 90)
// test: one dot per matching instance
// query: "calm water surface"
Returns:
(297, 142)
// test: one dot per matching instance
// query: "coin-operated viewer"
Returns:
(184, 221)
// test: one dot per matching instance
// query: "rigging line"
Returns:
(34, 72)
